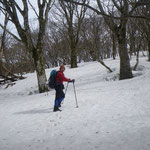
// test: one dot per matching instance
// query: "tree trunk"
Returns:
(132, 45)
(125, 70)
(1, 55)
(149, 50)
(108, 53)
(114, 46)
(2, 46)
(93, 54)
(73, 57)
(137, 60)
(40, 69)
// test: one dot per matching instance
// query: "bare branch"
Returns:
(48, 7)
(33, 8)
(10, 33)
(3, 10)
(21, 11)
(116, 5)
(88, 6)
(102, 12)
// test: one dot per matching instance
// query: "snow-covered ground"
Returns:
(112, 114)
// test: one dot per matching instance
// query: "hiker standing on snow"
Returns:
(60, 95)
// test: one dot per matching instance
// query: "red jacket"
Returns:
(60, 78)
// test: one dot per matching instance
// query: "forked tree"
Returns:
(24, 31)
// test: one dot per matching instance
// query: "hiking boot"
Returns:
(56, 109)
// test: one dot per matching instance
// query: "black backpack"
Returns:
(52, 79)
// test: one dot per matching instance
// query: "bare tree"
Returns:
(5, 72)
(74, 16)
(116, 14)
(2, 46)
(144, 25)
(56, 47)
(119, 29)
(95, 39)
(24, 32)
(121, 8)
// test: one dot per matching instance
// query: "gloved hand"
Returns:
(73, 80)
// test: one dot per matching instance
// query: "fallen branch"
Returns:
(9, 84)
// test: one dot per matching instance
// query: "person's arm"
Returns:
(62, 77)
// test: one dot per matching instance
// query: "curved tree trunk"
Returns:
(101, 62)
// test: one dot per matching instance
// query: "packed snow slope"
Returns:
(112, 114)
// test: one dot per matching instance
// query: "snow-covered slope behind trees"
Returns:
(112, 114)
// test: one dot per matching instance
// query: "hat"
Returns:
(62, 66)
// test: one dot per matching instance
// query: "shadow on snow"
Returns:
(35, 111)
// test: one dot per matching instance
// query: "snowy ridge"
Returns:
(112, 114)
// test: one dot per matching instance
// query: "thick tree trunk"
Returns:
(125, 70)
(40, 70)
(73, 57)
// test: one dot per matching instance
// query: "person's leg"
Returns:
(60, 100)
(62, 96)
(56, 104)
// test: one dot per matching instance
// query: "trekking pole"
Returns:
(75, 96)
(66, 88)
(65, 92)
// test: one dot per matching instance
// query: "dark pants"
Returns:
(60, 95)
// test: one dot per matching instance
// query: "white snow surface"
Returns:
(112, 114)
